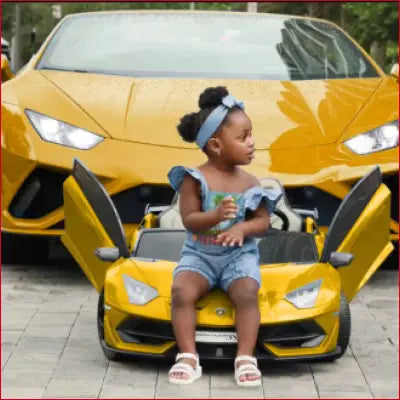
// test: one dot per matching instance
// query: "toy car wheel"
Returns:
(110, 354)
(344, 328)
(22, 249)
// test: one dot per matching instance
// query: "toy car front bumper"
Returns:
(259, 354)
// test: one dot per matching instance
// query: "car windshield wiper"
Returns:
(64, 69)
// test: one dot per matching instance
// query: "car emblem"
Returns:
(220, 311)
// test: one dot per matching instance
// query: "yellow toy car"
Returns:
(307, 278)
(322, 110)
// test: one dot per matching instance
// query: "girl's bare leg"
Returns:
(187, 289)
(244, 296)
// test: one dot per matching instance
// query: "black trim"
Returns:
(392, 182)
(349, 210)
(102, 205)
(171, 354)
(131, 203)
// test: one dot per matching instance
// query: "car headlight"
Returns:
(138, 292)
(381, 138)
(305, 296)
(54, 131)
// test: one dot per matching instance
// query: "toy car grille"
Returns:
(290, 335)
(148, 331)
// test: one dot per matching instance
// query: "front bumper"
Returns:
(138, 336)
(260, 355)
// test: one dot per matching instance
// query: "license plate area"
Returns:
(215, 337)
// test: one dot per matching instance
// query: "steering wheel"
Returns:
(283, 217)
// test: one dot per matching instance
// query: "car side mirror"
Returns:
(395, 71)
(340, 259)
(107, 253)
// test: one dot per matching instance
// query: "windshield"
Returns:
(237, 45)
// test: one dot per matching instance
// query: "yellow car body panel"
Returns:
(367, 240)
(6, 73)
(83, 223)
(299, 128)
(368, 233)
(332, 165)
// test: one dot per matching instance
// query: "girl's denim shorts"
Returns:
(221, 265)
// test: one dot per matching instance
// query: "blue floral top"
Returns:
(248, 200)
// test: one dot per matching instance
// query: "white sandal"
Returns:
(193, 373)
(248, 368)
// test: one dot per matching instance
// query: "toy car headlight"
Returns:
(54, 131)
(138, 292)
(381, 138)
(305, 296)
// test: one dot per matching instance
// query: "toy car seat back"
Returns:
(102, 205)
(295, 221)
(349, 210)
(170, 218)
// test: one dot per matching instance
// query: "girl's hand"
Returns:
(232, 236)
(226, 209)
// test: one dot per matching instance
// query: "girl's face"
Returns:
(234, 144)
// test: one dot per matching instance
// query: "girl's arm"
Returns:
(253, 227)
(193, 218)
(258, 224)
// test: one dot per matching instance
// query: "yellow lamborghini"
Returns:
(110, 87)
(308, 277)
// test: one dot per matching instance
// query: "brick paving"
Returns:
(50, 348)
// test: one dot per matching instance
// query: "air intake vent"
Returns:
(39, 195)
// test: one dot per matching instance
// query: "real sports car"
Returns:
(323, 112)
(308, 278)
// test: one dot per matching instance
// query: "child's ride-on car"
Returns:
(307, 278)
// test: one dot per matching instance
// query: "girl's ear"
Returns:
(214, 146)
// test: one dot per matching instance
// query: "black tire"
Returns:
(110, 354)
(344, 328)
(24, 249)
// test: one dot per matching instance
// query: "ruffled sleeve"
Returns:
(176, 175)
(254, 196)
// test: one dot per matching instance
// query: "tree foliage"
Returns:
(375, 22)
(365, 22)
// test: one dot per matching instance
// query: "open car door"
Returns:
(361, 227)
(91, 221)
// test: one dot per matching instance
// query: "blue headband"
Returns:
(213, 121)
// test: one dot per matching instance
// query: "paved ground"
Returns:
(50, 348)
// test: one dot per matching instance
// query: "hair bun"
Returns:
(212, 96)
(188, 127)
